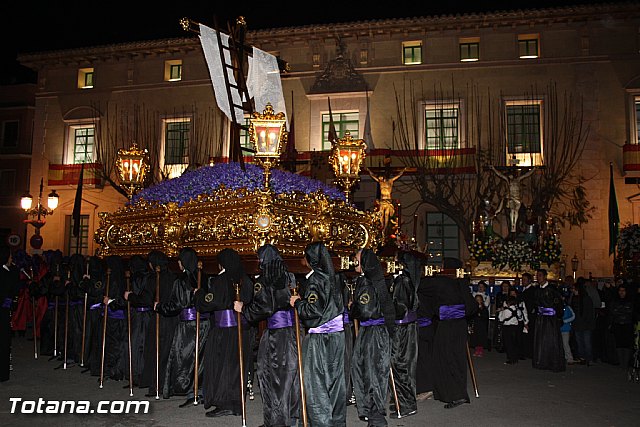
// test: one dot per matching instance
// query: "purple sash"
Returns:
(96, 306)
(410, 317)
(280, 319)
(115, 314)
(373, 322)
(189, 314)
(7, 303)
(333, 325)
(226, 319)
(345, 317)
(546, 311)
(451, 312)
(143, 309)
(424, 322)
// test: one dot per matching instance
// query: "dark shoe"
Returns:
(455, 403)
(219, 412)
(186, 403)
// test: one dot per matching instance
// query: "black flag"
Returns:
(333, 135)
(77, 205)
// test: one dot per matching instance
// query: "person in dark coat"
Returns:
(548, 350)
(528, 296)
(221, 377)
(179, 374)
(585, 322)
(453, 302)
(479, 327)
(277, 352)
(404, 347)
(9, 287)
(370, 366)
(621, 322)
(320, 309)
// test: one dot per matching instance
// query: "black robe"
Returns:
(426, 332)
(167, 324)
(93, 286)
(322, 353)
(548, 350)
(450, 340)
(115, 343)
(404, 347)
(277, 371)
(179, 371)
(9, 287)
(221, 376)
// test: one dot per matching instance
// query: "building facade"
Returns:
(453, 73)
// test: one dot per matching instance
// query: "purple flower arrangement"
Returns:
(207, 179)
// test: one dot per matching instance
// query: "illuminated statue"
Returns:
(386, 204)
(514, 198)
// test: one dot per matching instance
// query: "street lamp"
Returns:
(268, 135)
(574, 265)
(346, 158)
(132, 165)
(36, 215)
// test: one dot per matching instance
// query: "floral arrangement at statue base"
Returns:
(493, 256)
(220, 206)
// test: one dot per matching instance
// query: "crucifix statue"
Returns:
(385, 181)
(513, 178)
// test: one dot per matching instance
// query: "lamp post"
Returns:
(132, 165)
(36, 215)
(574, 265)
(268, 135)
(346, 159)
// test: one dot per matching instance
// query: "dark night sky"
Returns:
(32, 27)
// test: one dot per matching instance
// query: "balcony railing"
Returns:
(61, 175)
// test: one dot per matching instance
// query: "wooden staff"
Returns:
(395, 392)
(104, 327)
(303, 399)
(195, 371)
(55, 329)
(35, 336)
(157, 301)
(241, 358)
(66, 321)
(84, 324)
(127, 275)
(472, 371)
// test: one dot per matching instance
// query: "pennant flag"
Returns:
(77, 204)
(614, 217)
(368, 137)
(290, 153)
(333, 135)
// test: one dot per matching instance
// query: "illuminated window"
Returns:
(442, 237)
(528, 46)
(343, 122)
(469, 49)
(83, 143)
(173, 70)
(524, 132)
(442, 126)
(85, 78)
(412, 53)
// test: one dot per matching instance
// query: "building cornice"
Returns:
(346, 30)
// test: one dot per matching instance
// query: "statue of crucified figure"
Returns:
(386, 204)
(514, 199)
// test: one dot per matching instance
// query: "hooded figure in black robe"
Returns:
(370, 368)
(179, 372)
(404, 348)
(164, 278)
(221, 378)
(453, 302)
(548, 350)
(277, 353)
(141, 313)
(92, 284)
(116, 350)
(426, 324)
(75, 272)
(320, 309)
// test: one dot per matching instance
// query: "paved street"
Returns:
(599, 395)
